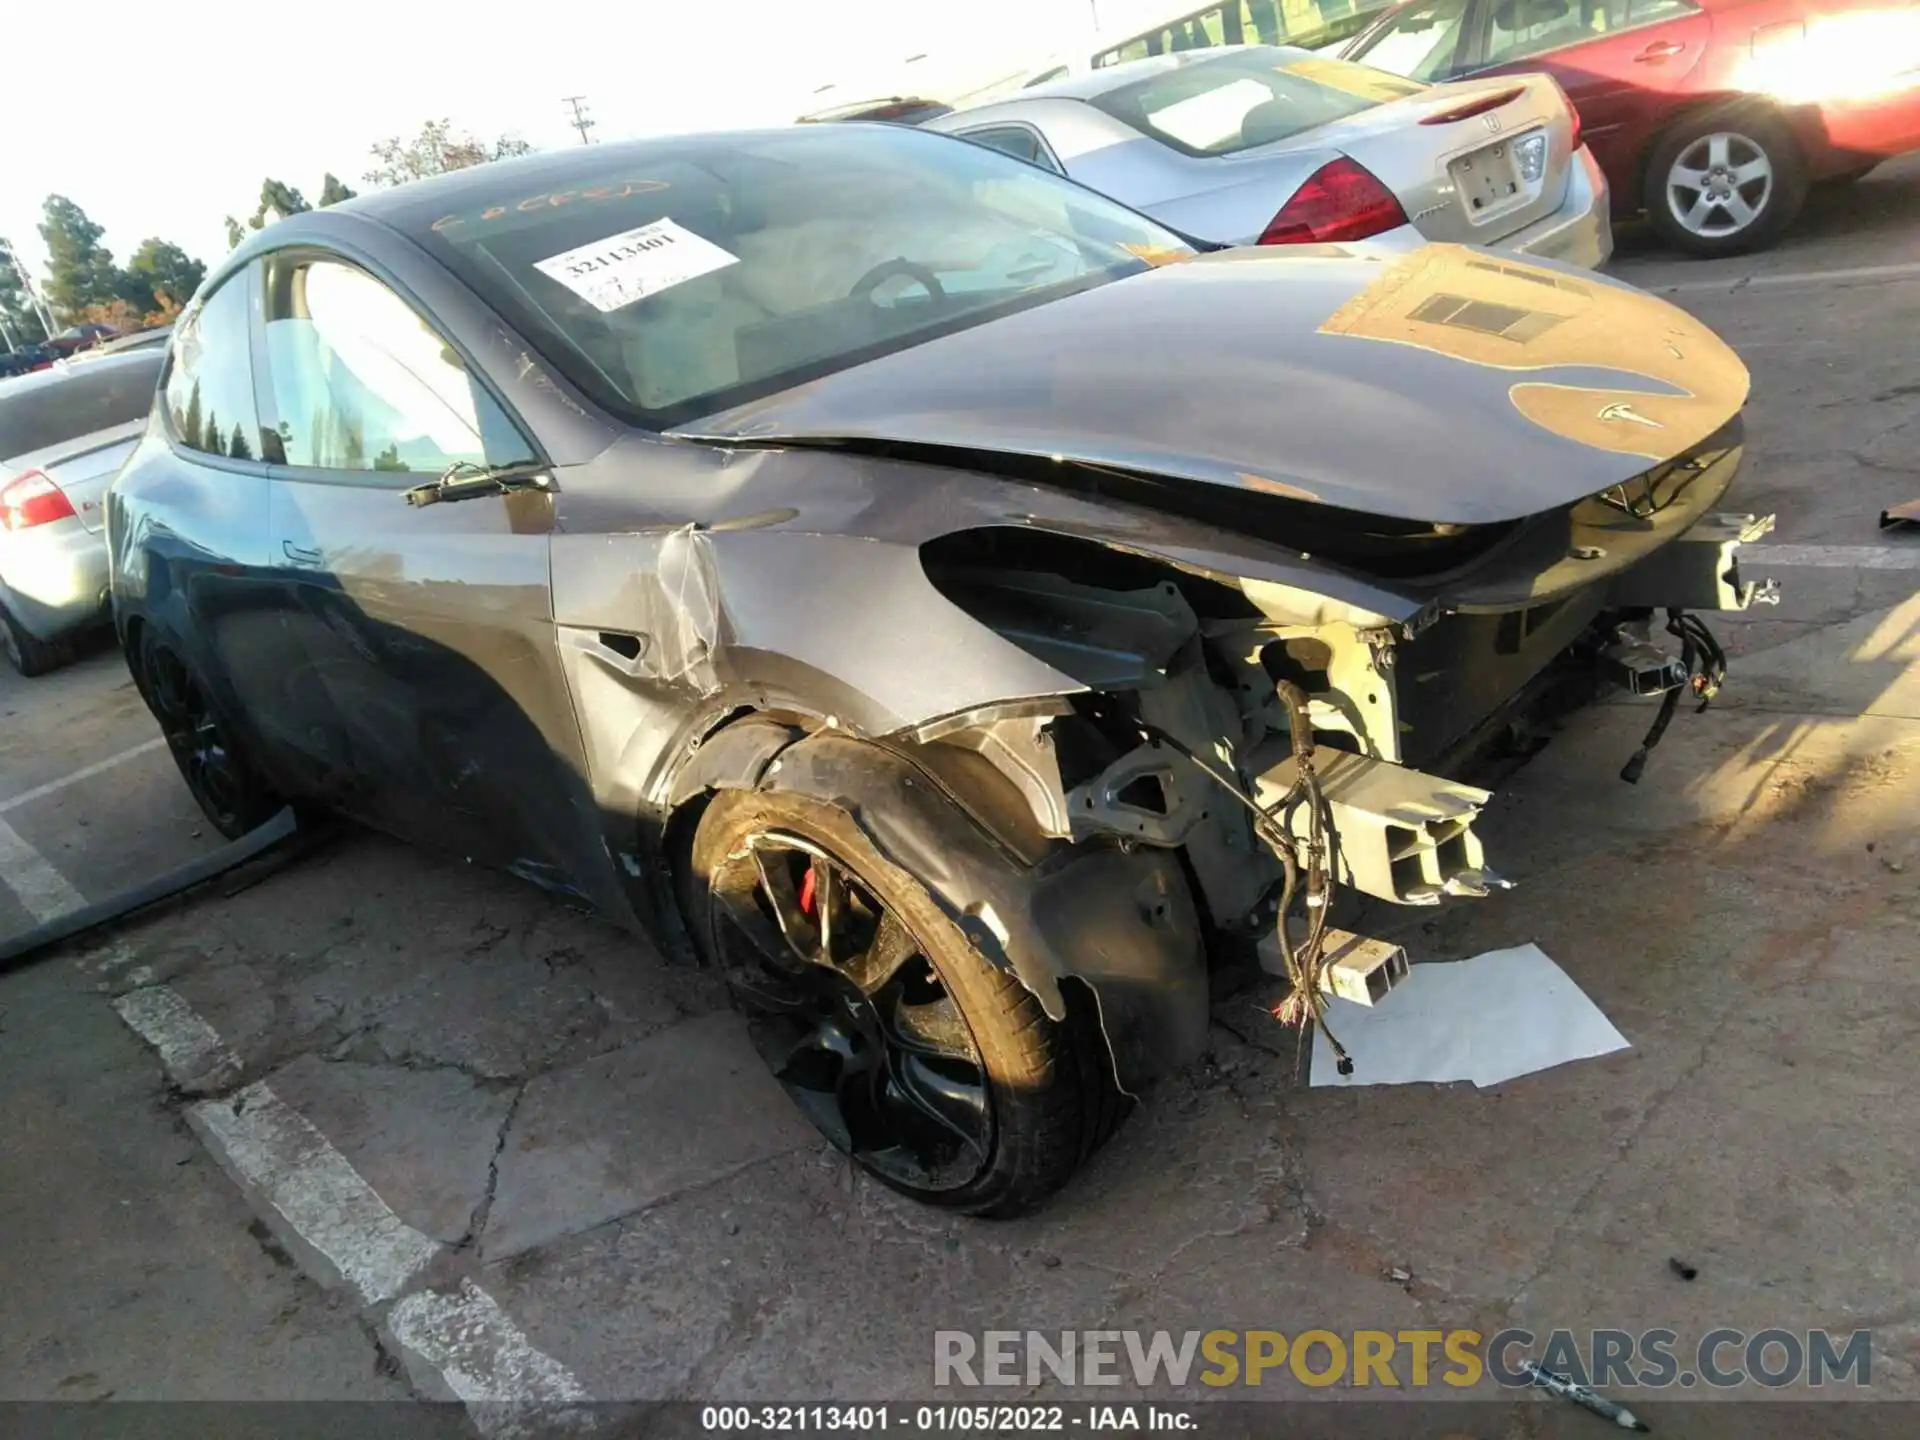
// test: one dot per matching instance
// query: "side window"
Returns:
(1645, 12)
(209, 394)
(359, 382)
(1017, 141)
(1422, 41)
(1524, 28)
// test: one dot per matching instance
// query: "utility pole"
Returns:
(28, 288)
(581, 121)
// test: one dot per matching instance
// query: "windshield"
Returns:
(673, 279)
(1421, 40)
(1239, 99)
(51, 407)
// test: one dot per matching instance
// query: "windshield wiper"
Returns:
(463, 480)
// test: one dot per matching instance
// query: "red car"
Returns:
(1714, 116)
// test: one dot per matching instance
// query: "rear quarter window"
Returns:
(51, 407)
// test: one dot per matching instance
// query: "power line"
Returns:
(581, 121)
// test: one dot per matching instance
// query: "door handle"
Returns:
(1658, 51)
(299, 554)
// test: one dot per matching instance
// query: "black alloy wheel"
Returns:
(228, 791)
(851, 1013)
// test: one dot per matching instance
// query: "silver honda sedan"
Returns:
(1261, 144)
(63, 433)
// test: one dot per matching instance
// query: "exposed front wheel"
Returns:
(229, 791)
(937, 1071)
(1725, 184)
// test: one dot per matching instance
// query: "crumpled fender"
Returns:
(1123, 923)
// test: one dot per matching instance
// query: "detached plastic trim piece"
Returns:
(18, 949)
(1906, 513)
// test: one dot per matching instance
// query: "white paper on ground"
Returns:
(611, 273)
(1488, 1019)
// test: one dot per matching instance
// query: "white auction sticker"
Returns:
(634, 264)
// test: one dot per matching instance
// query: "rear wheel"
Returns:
(1726, 183)
(231, 793)
(935, 1070)
(28, 653)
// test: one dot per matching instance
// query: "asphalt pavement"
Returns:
(385, 1127)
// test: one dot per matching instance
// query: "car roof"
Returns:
(1109, 78)
(63, 370)
(885, 107)
(499, 181)
(146, 339)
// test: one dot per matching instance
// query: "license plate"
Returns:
(1487, 177)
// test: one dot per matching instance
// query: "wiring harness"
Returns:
(1312, 882)
(1706, 666)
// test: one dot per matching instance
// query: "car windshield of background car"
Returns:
(1420, 41)
(1247, 98)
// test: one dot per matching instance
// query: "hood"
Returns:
(1449, 385)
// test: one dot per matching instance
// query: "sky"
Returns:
(149, 146)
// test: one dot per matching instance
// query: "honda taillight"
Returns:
(1573, 116)
(32, 499)
(1342, 200)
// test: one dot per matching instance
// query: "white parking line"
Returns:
(195, 1056)
(42, 890)
(1835, 557)
(1908, 271)
(509, 1387)
(85, 772)
(276, 1154)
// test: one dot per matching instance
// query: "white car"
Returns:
(1270, 145)
(64, 432)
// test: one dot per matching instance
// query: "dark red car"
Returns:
(76, 338)
(1714, 116)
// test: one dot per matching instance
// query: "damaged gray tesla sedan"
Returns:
(963, 612)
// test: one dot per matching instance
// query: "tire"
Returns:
(1049, 1095)
(1696, 195)
(229, 790)
(27, 653)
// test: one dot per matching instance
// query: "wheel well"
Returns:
(130, 634)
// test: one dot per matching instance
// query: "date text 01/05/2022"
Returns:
(943, 1419)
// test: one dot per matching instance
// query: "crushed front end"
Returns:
(1294, 748)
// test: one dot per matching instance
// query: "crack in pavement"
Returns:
(477, 1221)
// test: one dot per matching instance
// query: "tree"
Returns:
(277, 202)
(436, 150)
(332, 192)
(167, 273)
(16, 310)
(80, 270)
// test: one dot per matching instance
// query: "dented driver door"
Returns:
(426, 610)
